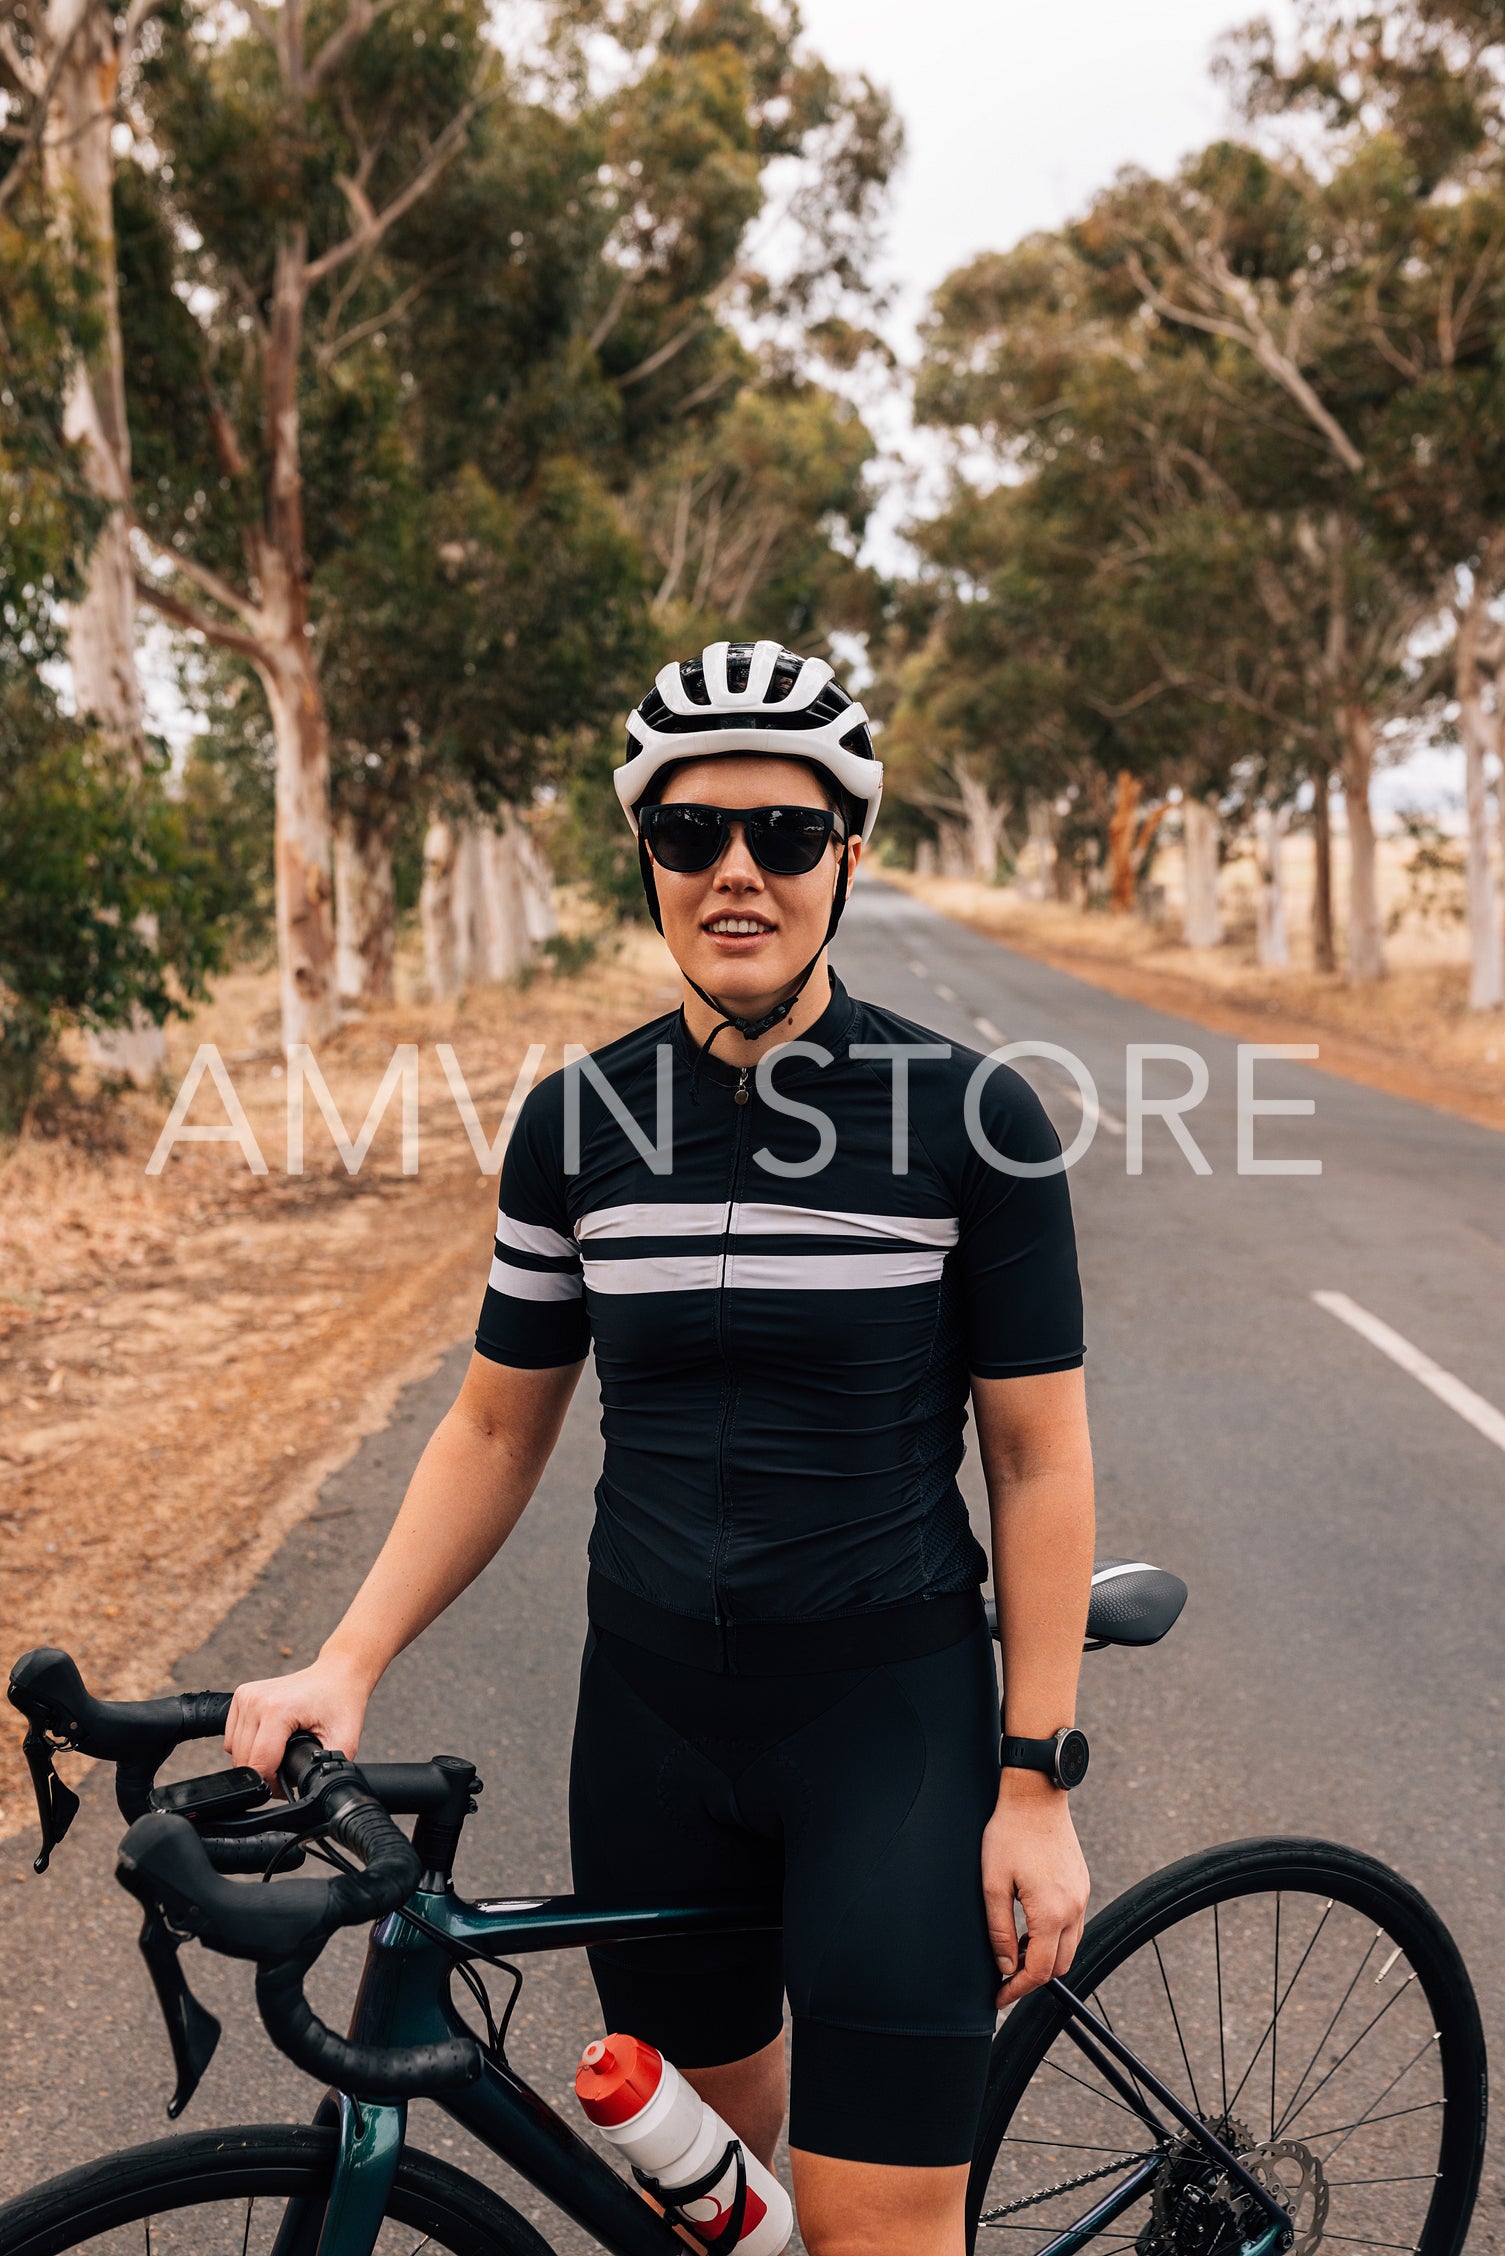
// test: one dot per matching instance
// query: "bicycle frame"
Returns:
(404, 1999)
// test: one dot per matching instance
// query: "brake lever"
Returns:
(192, 2030)
(57, 1804)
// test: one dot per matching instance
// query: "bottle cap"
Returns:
(616, 2078)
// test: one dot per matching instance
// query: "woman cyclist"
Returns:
(798, 1233)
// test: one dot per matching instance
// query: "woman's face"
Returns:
(738, 931)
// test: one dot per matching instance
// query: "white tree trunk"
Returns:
(303, 850)
(1042, 837)
(925, 864)
(1203, 923)
(539, 913)
(80, 172)
(1272, 946)
(508, 949)
(436, 910)
(1366, 944)
(1479, 727)
(468, 907)
(365, 911)
(953, 856)
(984, 818)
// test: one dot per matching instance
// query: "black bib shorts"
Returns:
(859, 1795)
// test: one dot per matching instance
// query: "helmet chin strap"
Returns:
(751, 1028)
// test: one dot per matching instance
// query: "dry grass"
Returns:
(184, 1359)
(1411, 1034)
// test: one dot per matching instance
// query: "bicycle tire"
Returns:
(1145, 1913)
(271, 2161)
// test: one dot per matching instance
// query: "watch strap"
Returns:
(1029, 1754)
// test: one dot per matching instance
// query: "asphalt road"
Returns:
(1337, 1671)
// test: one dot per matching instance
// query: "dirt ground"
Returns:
(1411, 1034)
(184, 1358)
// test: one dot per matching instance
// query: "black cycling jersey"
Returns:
(785, 1305)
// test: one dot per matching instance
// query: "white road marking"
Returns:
(947, 994)
(1481, 1415)
(989, 1032)
(918, 968)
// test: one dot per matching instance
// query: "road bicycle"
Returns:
(1270, 2047)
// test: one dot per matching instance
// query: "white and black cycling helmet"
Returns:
(753, 697)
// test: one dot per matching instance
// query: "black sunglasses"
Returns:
(785, 841)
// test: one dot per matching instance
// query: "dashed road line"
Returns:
(989, 1032)
(1481, 1415)
(918, 968)
(947, 994)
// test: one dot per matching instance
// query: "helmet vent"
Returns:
(832, 700)
(692, 674)
(786, 672)
(654, 711)
(739, 658)
(857, 740)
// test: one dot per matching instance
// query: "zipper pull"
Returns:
(739, 1094)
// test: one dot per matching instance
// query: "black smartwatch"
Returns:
(1063, 1759)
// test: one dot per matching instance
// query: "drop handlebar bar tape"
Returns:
(374, 2072)
(46, 1686)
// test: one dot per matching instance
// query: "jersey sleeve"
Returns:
(1016, 1254)
(533, 1315)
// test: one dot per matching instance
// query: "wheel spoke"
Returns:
(1393, 1998)
(245, 2238)
(1327, 2032)
(1280, 2008)
(1094, 2091)
(1217, 1945)
(1367, 2120)
(1176, 2018)
(1274, 2014)
(1419, 2054)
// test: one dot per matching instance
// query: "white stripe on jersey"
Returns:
(831, 1272)
(534, 1284)
(823, 1222)
(656, 1273)
(760, 1218)
(765, 1272)
(532, 1237)
(666, 1221)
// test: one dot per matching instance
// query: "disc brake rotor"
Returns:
(1198, 2210)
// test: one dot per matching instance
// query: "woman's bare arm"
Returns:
(1037, 1459)
(482, 1464)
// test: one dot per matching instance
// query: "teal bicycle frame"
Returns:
(404, 1999)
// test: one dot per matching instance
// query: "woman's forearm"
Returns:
(1042, 1572)
(467, 1493)
(1037, 1458)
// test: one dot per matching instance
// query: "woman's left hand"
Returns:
(1031, 1855)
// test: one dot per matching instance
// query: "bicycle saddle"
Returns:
(1132, 1603)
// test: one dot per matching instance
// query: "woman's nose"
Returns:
(737, 866)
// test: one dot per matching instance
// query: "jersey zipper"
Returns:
(740, 1097)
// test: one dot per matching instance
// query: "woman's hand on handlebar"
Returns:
(328, 1698)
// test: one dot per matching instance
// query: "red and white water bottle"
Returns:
(662, 2126)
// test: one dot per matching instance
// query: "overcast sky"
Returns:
(1015, 112)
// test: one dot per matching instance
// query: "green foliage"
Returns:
(227, 798)
(600, 841)
(47, 514)
(106, 908)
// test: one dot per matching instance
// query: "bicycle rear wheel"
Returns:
(224, 2193)
(1302, 2000)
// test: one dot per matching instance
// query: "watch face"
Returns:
(1072, 1756)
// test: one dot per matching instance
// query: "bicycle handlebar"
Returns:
(166, 1863)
